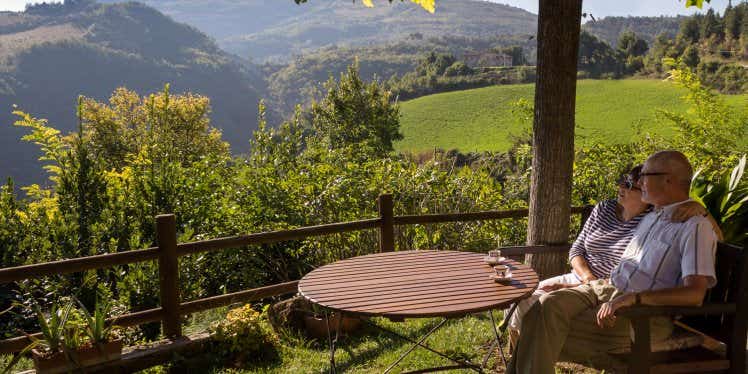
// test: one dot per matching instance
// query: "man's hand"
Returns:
(606, 316)
(558, 286)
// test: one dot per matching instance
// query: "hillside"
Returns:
(279, 28)
(482, 119)
(293, 82)
(647, 28)
(53, 53)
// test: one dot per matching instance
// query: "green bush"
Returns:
(726, 198)
(244, 334)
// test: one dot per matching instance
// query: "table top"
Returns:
(413, 284)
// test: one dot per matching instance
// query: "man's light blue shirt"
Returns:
(662, 253)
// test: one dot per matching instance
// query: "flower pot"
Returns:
(316, 326)
(59, 362)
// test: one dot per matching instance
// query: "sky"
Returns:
(598, 8)
(603, 8)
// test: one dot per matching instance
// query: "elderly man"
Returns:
(666, 263)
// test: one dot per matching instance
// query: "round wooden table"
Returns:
(415, 284)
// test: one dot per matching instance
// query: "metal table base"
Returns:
(459, 364)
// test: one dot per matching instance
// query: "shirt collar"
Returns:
(667, 210)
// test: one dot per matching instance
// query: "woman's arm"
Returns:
(582, 268)
(685, 211)
(578, 248)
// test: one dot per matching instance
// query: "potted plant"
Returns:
(71, 339)
(317, 325)
(87, 340)
(52, 329)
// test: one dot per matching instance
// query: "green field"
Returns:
(482, 119)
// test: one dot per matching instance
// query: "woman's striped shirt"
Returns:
(604, 237)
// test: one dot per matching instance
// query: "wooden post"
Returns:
(586, 213)
(640, 359)
(387, 228)
(168, 273)
(553, 132)
(736, 350)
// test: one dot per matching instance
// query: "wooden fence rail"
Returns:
(168, 252)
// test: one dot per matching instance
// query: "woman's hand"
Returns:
(588, 278)
(606, 316)
(685, 211)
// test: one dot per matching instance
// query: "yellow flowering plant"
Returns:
(244, 332)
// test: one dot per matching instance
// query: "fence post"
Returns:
(387, 226)
(586, 212)
(168, 273)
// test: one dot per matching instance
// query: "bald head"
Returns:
(677, 165)
(666, 178)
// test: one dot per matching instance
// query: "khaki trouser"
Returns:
(515, 322)
(561, 326)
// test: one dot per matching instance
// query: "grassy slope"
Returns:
(482, 119)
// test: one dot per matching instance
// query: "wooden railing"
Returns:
(168, 252)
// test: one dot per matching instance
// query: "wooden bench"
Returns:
(713, 336)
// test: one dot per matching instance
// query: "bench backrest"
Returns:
(732, 287)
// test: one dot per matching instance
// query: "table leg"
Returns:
(461, 363)
(420, 341)
(502, 327)
(329, 343)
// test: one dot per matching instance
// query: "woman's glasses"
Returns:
(628, 182)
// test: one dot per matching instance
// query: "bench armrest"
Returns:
(652, 311)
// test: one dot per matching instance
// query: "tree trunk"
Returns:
(553, 131)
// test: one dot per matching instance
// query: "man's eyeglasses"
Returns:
(653, 173)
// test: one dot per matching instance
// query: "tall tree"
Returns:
(553, 131)
(732, 21)
(711, 25)
(356, 113)
(632, 45)
(689, 30)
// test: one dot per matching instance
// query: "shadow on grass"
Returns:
(386, 342)
(213, 362)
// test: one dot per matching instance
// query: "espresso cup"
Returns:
(501, 270)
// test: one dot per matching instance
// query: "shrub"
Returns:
(244, 334)
(458, 68)
(726, 199)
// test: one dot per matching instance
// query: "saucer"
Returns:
(493, 260)
(498, 279)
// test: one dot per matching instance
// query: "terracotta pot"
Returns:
(317, 328)
(58, 362)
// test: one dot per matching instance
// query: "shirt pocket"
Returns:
(653, 259)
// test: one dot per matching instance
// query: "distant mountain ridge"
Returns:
(647, 28)
(52, 53)
(262, 29)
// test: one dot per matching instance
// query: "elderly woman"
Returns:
(601, 243)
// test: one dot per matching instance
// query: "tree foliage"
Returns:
(137, 156)
(355, 113)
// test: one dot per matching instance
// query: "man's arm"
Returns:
(690, 294)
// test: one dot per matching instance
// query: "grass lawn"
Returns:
(482, 120)
(366, 351)
(370, 350)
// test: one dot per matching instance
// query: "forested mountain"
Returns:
(609, 29)
(50, 54)
(261, 29)
(295, 81)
